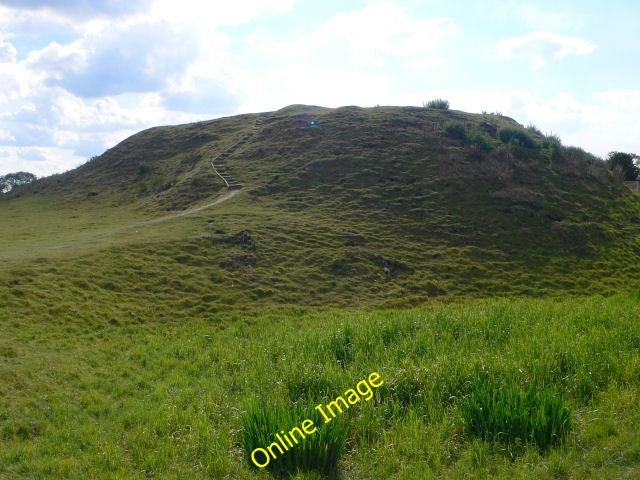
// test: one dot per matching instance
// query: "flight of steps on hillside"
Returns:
(219, 162)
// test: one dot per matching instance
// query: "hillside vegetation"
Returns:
(382, 206)
(144, 308)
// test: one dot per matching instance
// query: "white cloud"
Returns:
(354, 57)
(378, 31)
(109, 70)
(137, 58)
(614, 121)
(37, 160)
(541, 46)
(370, 37)
(201, 95)
(601, 122)
(79, 8)
(34, 23)
(536, 15)
(7, 51)
(5, 135)
(307, 84)
(57, 131)
(559, 18)
(209, 84)
(54, 119)
(53, 61)
(211, 14)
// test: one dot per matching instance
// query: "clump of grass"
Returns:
(341, 346)
(534, 130)
(144, 169)
(319, 451)
(437, 104)
(517, 138)
(455, 129)
(480, 141)
(506, 414)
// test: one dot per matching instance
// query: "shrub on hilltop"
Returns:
(437, 104)
(624, 164)
(517, 137)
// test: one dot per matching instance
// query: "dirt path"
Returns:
(217, 201)
(228, 180)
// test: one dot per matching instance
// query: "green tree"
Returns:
(10, 180)
(625, 163)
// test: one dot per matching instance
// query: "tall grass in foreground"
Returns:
(504, 413)
(319, 451)
(160, 399)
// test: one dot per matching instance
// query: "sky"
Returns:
(76, 78)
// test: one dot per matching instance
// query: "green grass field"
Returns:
(165, 398)
(467, 270)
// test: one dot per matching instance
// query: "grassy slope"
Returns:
(366, 207)
(110, 325)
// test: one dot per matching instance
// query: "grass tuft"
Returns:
(504, 413)
(319, 451)
(455, 129)
(437, 104)
(517, 137)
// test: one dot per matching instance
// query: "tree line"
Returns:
(10, 180)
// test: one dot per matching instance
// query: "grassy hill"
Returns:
(143, 307)
(381, 206)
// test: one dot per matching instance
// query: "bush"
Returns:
(437, 104)
(480, 140)
(504, 413)
(456, 130)
(552, 142)
(535, 130)
(517, 137)
(319, 451)
(625, 163)
(144, 169)
(551, 139)
(160, 183)
(553, 147)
